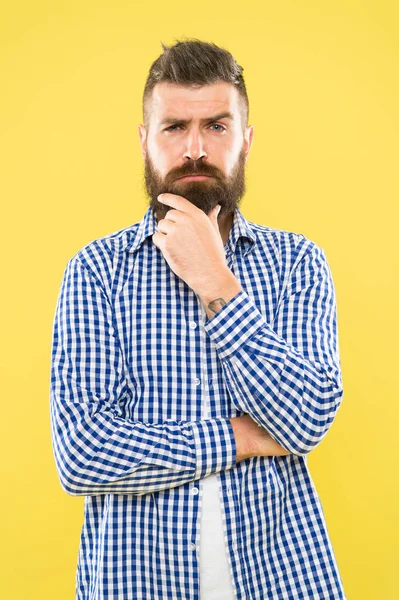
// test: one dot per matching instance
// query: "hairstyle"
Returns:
(194, 63)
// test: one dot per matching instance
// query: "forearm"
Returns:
(218, 292)
(99, 453)
(273, 448)
(284, 371)
(252, 440)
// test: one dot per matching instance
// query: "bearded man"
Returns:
(195, 365)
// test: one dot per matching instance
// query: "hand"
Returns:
(252, 440)
(191, 243)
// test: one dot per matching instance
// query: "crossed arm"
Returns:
(289, 393)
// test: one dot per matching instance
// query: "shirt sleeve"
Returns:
(97, 450)
(285, 374)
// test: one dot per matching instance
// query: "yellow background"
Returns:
(322, 79)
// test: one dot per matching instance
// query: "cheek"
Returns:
(230, 161)
(232, 156)
(159, 158)
(164, 154)
(225, 153)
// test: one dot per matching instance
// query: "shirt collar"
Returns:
(241, 230)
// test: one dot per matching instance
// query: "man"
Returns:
(195, 364)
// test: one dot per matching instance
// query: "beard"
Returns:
(203, 193)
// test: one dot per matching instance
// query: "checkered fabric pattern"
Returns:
(134, 359)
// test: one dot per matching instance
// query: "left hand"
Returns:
(191, 242)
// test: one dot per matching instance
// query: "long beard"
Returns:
(205, 194)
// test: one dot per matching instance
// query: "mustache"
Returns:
(194, 169)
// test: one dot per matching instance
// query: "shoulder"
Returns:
(102, 256)
(283, 245)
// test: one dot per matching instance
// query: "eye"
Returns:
(218, 125)
(170, 127)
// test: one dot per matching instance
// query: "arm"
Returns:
(96, 450)
(253, 440)
(287, 374)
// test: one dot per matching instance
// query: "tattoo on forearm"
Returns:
(216, 305)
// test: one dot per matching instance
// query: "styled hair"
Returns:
(194, 63)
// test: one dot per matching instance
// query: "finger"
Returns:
(159, 240)
(213, 215)
(179, 203)
(173, 215)
(166, 226)
(155, 238)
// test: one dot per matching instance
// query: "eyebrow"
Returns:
(174, 121)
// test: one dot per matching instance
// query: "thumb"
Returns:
(213, 215)
(216, 211)
(214, 218)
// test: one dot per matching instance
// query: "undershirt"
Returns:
(215, 577)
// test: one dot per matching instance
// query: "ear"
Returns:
(143, 140)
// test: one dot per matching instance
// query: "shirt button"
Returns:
(197, 381)
(194, 491)
(192, 545)
(192, 325)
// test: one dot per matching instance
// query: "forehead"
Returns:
(174, 100)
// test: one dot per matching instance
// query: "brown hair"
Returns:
(194, 63)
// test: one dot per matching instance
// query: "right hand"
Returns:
(252, 440)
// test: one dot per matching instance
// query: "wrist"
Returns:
(243, 450)
(218, 291)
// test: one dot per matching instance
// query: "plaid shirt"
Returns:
(135, 359)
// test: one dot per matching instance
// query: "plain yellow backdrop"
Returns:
(322, 79)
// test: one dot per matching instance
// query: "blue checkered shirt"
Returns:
(134, 359)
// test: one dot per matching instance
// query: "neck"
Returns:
(225, 222)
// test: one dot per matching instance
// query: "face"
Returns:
(195, 132)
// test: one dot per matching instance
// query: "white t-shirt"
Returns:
(215, 577)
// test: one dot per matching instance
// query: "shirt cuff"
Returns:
(215, 446)
(234, 324)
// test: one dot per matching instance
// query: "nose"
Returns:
(195, 147)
